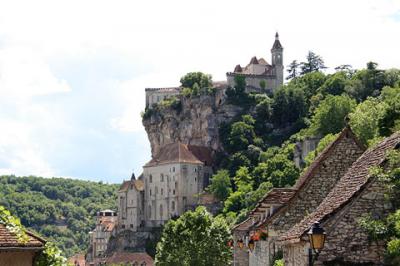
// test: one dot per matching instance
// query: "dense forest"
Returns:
(59, 209)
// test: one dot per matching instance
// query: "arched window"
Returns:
(149, 212)
(161, 211)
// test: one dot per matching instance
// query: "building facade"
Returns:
(260, 76)
(106, 222)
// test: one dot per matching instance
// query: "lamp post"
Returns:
(317, 237)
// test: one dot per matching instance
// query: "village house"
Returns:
(106, 221)
(131, 204)
(305, 196)
(14, 252)
(357, 194)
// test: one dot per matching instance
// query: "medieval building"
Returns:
(261, 76)
(171, 184)
(336, 190)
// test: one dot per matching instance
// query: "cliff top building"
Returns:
(261, 76)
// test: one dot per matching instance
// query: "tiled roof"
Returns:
(309, 173)
(254, 60)
(130, 258)
(139, 185)
(346, 132)
(181, 153)
(277, 45)
(238, 69)
(10, 240)
(353, 181)
(245, 225)
(276, 196)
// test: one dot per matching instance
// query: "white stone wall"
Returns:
(270, 83)
(156, 96)
(170, 189)
(259, 257)
(296, 254)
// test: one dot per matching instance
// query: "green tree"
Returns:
(330, 115)
(221, 185)
(195, 238)
(313, 63)
(335, 84)
(191, 79)
(364, 119)
(389, 122)
(293, 70)
(288, 98)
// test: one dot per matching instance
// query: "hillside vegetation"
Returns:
(60, 210)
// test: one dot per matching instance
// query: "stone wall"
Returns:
(323, 179)
(346, 240)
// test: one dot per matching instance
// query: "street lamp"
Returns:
(317, 237)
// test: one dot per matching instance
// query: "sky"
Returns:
(73, 73)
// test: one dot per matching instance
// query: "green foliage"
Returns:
(279, 263)
(195, 238)
(13, 224)
(330, 115)
(389, 122)
(387, 228)
(313, 63)
(288, 98)
(364, 119)
(197, 83)
(220, 185)
(335, 84)
(322, 144)
(50, 256)
(61, 210)
(171, 102)
(293, 70)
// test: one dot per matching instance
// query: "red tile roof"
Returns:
(126, 257)
(181, 153)
(276, 196)
(352, 182)
(10, 240)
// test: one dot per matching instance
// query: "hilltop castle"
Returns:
(260, 76)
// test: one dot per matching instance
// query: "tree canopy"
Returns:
(195, 238)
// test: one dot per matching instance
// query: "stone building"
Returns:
(105, 227)
(173, 179)
(356, 194)
(131, 204)
(13, 252)
(261, 76)
(156, 95)
(309, 191)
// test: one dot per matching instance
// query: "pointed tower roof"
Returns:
(254, 60)
(277, 43)
(238, 69)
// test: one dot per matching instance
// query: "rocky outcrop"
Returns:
(196, 122)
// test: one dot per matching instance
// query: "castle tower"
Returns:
(277, 60)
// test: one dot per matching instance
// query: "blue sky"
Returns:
(73, 73)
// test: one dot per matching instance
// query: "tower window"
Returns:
(173, 205)
(151, 179)
(162, 177)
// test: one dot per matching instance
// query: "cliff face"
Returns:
(196, 122)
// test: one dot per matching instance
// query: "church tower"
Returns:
(277, 60)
